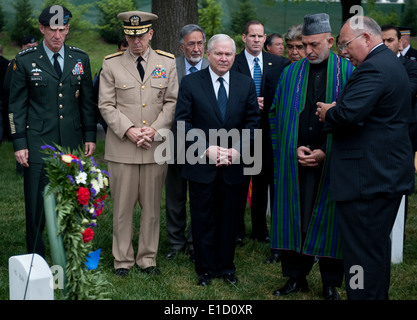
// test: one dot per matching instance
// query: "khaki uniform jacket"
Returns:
(126, 101)
(44, 109)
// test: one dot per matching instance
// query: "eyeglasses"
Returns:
(298, 48)
(346, 44)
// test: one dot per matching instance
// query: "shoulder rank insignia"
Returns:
(31, 49)
(114, 55)
(77, 49)
(167, 54)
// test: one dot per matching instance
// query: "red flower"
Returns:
(88, 235)
(83, 195)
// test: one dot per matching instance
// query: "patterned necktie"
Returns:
(57, 66)
(140, 68)
(257, 76)
(193, 69)
(222, 98)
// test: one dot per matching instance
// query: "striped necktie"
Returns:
(257, 76)
(193, 69)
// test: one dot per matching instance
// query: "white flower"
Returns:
(95, 186)
(106, 181)
(100, 181)
(81, 178)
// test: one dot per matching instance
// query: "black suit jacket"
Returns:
(269, 62)
(371, 151)
(197, 108)
(411, 54)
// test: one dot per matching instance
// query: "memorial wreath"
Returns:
(80, 188)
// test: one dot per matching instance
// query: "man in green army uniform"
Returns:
(51, 101)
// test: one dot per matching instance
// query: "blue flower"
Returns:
(47, 146)
(71, 179)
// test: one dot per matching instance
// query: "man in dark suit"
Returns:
(391, 36)
(213, 103)
(371, 161)
(254, 38)
(407, 51)
(49, 105)
(192, 42)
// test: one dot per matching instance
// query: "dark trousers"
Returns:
(35, 181)
(297, 266)
(365, 228)
(214, 211)
(176, 212)
(259, 202)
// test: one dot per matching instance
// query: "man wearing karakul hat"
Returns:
(137, 96)
(303, 217)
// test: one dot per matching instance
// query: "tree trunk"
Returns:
(172, 16)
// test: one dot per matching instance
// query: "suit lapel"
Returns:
(130, 65)
(44, 63)
(242, 64)
(69, 63)
(233, 93)
(207, 88)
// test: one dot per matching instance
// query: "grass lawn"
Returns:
(178, 279)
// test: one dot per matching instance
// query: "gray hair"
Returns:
(189, 28)
(369, 25)
(294, 33)
(217, 38)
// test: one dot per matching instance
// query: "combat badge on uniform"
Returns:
(78, 68)
(159, 72)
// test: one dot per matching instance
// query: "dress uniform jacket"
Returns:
(126, 101)
(45, 109)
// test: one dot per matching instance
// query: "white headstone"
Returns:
(30, 278)
(397, 234)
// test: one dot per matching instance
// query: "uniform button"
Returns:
(124, 86)
(143, 87)
(60, 95)
(61, 117)
(36, 84)
(144, 105)
(60, 106)
(160, 85)
(60, 84)
(144, 122)
(27, 127)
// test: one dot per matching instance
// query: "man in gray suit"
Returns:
(192, 41)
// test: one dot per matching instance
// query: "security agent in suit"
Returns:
(254, 38)
(407, 51)
(192, 42)
(391, 36)
(372, 160)
(214, 167)
(137, 97)
(49, 105)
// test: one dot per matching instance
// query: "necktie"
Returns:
(193, 69)
(257, 76)
(222, 98)
(57, 66)
(140, 68)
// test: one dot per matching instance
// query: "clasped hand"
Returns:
(310, 158)
(142, 137)
(222, 156)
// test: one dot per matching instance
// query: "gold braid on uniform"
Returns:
(113, 55)
(167, 54)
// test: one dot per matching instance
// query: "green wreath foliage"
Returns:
(80, 188)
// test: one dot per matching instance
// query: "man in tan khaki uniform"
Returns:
(135, 109)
